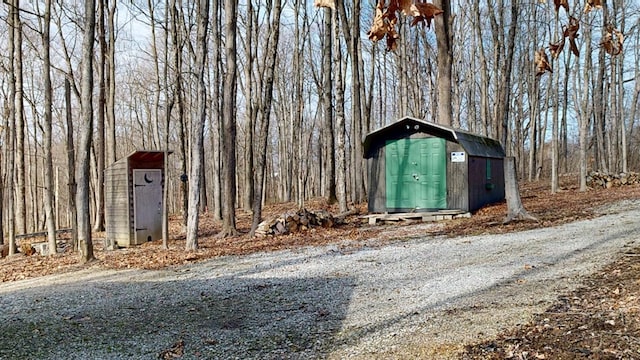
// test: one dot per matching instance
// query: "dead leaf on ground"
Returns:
(174, 352)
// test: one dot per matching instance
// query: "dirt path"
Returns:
(415, 298)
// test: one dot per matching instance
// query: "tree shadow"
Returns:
(221, 317)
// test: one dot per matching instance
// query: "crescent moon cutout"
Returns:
(147, 180)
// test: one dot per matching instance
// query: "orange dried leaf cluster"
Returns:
(542, 62)
(612, 41)
(561, 3)
(592, 4)
(556, 48)
(325, 3)
(386, 18)
(569, 32)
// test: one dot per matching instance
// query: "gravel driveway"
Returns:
(420, 297)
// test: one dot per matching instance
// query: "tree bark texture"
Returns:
(20, 197)
(84, 154)
(444, 58)
(271, 52)
(515, 209)
(229, 121)
(48, 107)
(197, 126)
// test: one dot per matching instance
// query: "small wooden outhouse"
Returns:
(414, 165)
(133, 198)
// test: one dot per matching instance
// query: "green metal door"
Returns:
(416, 174)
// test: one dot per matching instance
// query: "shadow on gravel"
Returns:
(549, 272)
(224, 317)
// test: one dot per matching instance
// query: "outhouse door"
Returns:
(147, 204)
(416, 174)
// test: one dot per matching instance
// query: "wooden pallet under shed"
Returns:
(416, 216)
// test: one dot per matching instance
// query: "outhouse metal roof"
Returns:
(143, 156)
(473, 144)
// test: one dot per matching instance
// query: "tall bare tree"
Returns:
(99, 143)
(197, 126)
(250, 51)
(341, 161)
(264, 111)
(229, 121)
(445, 57)
(11, 133)
(71, 165)
(48, 105)
(85, 242)
(20, 198)
(351, 30)
(328, 140)
(216, 110)
(110, 123)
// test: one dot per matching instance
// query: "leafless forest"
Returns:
(268, 100)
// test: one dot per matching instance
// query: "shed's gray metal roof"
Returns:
(473, 144)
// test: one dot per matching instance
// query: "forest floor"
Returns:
(599, 320)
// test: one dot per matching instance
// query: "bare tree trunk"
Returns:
(247, 193)
(265, 112)
(298, 103)
(197, 126)
(157, 91)
(48, 105)
(600, 105)
(341, 176)
(554, 91)
(484, 73)
(110, 128)
(620, 89)
(84, 155)
(533, 128)
(515, 209)
(444, 58)
(71, 166)
(170, 100)
(216, 107)
(98, 145)
(180, 102)
(352, 34)
(327, 97)
(20, 199)
(229, 122)
(504, 89)
(11, 132)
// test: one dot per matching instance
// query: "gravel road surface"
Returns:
(420, 297)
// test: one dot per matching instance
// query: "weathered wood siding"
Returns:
(457, 175)
(377, 182)
(118, 213)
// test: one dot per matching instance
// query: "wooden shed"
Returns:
(414, 165)
(133, 198)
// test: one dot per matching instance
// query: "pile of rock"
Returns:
(296, 221)
(597, 179)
